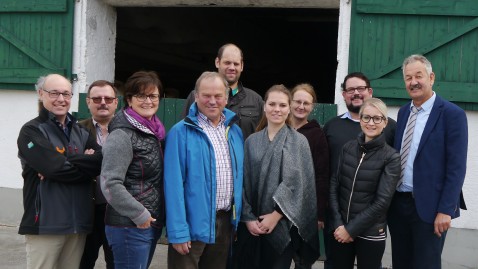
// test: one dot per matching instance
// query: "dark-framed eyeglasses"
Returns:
(375, 119)
(97, 100)
(360, 89)
(54, 94)
(304, 103)
(142, 97)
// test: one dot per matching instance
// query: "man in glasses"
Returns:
(59, 159)
(102, 102)
(343, 128)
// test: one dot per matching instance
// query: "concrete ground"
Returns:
(13, 255)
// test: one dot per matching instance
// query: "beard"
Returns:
(352, 108)
(232, 81)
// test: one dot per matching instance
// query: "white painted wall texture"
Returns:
(16, 108)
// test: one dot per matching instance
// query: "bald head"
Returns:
(55, 94)
(230, 64)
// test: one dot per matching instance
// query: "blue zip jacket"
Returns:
(190, 179)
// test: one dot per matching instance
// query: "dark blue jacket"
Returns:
(440, 164)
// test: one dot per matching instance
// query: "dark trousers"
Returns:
(95, 240)
(369, 253)
(272, 260)
(414, 245)
(202, 255)
(328, 240)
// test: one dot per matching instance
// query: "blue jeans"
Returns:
(132, 247)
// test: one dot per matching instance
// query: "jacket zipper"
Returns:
(353, 186)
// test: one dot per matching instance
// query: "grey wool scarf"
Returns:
(281, 172)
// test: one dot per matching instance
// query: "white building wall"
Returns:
(16, 108)
(94, 44)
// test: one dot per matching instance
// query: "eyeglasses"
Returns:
(375, 119)
(352, 90)
(304, 103)
(55, 94)
(142, 97)
(97, 100)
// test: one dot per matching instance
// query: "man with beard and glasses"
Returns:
(102, 102)
(246, 103)
(343, 128)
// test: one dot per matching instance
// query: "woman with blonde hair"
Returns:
(362, 191)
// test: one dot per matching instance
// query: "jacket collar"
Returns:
(192, 117)
(371, 145)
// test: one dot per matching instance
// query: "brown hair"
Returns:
(102, 83)
(275, 88)
(307, 88)
(221, 50)
(359, 75)
(139, 82)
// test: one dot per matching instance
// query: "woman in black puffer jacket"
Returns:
(361, 192)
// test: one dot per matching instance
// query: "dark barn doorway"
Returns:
(281, 46)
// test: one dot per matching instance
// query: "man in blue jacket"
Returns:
(203, 179)
(432, 138)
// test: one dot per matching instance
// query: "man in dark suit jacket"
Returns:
(428, 195)
(102, 102)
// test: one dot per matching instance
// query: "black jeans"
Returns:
(95, 240)
(369, 253)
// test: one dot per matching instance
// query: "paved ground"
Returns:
(12, 252)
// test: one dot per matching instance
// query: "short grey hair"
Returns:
(417, 58)
(212, 75)
(39, 84)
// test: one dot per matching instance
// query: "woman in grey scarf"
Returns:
(279, 199)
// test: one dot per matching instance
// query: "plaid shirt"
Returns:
(224, 184)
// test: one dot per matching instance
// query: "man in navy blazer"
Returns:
(428, 195)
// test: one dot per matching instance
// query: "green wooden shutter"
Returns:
(384, 33)
(36, 38)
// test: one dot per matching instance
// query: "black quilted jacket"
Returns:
(363, 189)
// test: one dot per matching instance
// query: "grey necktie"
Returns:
(408, 140)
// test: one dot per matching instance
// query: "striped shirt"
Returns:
(224, 184)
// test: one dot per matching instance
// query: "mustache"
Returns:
(103, 107)
(357, 96)
(416, 86)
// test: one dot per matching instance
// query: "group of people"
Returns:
(241, 182)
